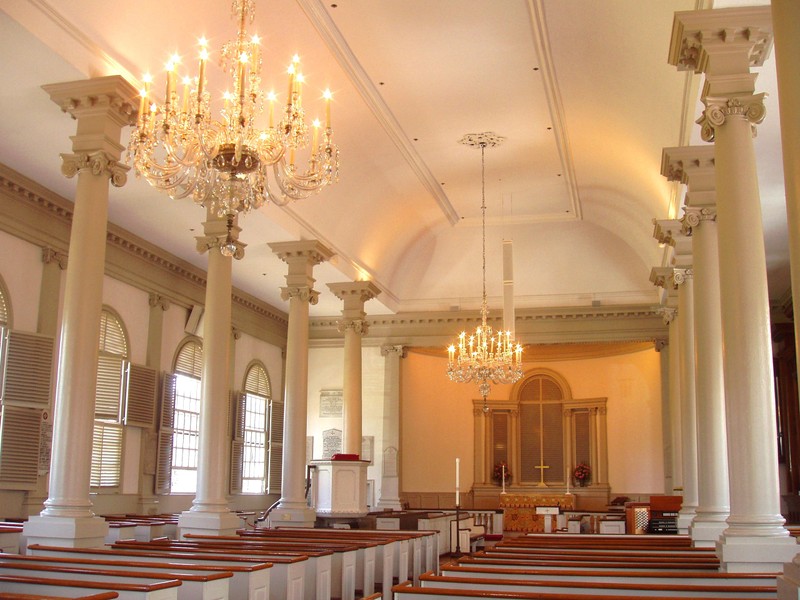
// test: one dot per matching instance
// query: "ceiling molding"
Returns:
(550, 83)
(319, 17)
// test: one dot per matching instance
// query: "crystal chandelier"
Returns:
(484, 356)
(223, 161)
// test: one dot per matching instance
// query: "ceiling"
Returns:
(580, 90)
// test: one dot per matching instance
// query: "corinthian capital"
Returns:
(99, 163)
(359, 326)
(720, 109)
(50, 255)
(388, 349)
(306, 294)
(681, 276)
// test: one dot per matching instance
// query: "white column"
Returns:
(724, 44)
(301, 257)
(683, 280)
(672, 319)
(102, 107)
(694, 166)
(390, 473)
(209, 513)
(662, 347)
(353, 325)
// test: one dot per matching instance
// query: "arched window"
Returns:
(251, 446)
(108, 411)
(179, 435)
(541, 434)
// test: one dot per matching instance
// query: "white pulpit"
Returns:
(341, 488)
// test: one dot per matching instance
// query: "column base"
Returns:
(750, 554)
(65, 532)
(293, 516)
(685, 518)
(789, 582)
(390, 498)
(705, 534)
(208, 523)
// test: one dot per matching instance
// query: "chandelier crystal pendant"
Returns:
(484, 356)
(223, 161)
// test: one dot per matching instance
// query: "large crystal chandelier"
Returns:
(223, 160)
(484, 356)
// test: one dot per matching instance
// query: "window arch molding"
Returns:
(256, 379)
(503, 434)
(6, 314)
(188, 358)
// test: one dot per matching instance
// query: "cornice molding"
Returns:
(52, 227)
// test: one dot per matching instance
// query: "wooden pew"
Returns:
(100, 596)
(664, 577)
(10, 534)
(196, 583)
(344, 557)
(704, 559)
(632, 589)
(289, 567)
(605, 540)
(407, 591)
(251, 577)
(391, 551)
(54, 586)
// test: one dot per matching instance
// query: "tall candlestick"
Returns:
(458, 461)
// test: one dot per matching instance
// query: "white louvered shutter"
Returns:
(237, 417)
(28, 366)
(20, 430)
(109, 387)
(165, 430)
(275, 447)
(140, 407)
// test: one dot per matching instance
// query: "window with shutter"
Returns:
(275, 479)
(20, 429)
(165, 422)
(250, 450)
(107, 437)
(140, 404)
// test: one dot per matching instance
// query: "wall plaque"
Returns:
(330, 403)
(331, 443)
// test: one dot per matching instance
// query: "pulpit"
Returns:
(341, 487)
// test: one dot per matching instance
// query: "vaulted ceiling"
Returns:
(581, 91)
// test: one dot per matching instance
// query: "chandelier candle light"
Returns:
(223, 161)
(484, 356)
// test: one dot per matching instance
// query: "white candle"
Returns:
(458, 461)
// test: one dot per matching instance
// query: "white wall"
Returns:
(21, 269)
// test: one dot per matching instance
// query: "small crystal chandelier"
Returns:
(223, 162)
(484, 356)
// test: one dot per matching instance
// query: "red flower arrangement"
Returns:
(582, 473)
(497, 474)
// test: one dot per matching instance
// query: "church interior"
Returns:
(266, 329)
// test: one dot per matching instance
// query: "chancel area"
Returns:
(302, 299)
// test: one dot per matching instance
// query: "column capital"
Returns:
(301, 257)
(98, 163)
(157, 300)
(728, 40)
(694, 215)
(660, 275)
(391, 349)
(354, 293)
(222, 234)
(660, 343)
(51, 255)
(668, 313)
(359, 326)
(719, 108)
(681, 276)
(306, 294)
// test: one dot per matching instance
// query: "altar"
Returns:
(534, 513)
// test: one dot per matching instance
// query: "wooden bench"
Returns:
(196, 583)
(100, 596)
(665, 577)
(347, 558)
(564, 586)
(289, 567)
(251, 577)
(55, 586)
(407, 591)
(10, 534)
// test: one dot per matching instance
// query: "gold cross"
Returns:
(541, 474)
